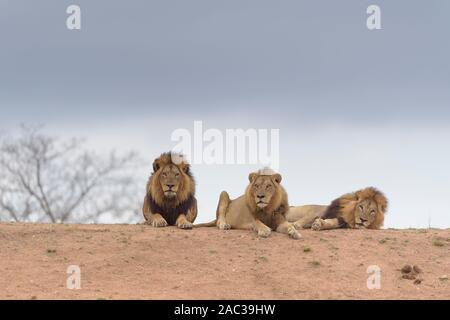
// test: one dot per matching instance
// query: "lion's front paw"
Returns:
(293, 233)
(185, 225)
(264, 232)
(223, 226)
(158, 222)
(298, 225)
(317, 224)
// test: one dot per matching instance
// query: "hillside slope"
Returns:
(140, 262)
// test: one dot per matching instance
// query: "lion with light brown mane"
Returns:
(363, 209)
(262, 208)
(170, 197)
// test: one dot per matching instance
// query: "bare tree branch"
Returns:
(60, 181)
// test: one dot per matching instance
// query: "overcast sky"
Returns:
(354, 107)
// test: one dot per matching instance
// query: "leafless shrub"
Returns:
(46, 179)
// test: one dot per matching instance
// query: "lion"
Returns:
(262, 208)
(170, 197)
(363, 209)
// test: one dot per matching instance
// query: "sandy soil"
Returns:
(140, 262)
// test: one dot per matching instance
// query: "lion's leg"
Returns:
(303, 223)
(325, 224)
(284, 226)
(222, 207)
(146, 210)
(182, 222)
(153, 219)
(289, 229)
(192, 212)
(262, 230)
(156, 220)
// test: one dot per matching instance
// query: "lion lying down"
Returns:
(262, 208)
(363, 209)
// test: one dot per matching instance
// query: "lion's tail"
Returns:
(207, 224)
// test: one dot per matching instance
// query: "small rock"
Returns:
(443, 278)
(409, 276)
(406, 268)
(418, 281)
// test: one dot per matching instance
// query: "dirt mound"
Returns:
(140, 262)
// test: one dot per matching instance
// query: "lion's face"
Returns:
(365, 213)
(263, 188)
(363, 209)
(170, 179)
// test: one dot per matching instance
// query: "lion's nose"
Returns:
(260, 196)
(170, 186)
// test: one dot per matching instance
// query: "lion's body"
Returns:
(237, 214)
(304, 216)
(170, 197)
(363, 209)
(262, 208)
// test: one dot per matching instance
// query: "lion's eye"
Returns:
(372, 213)
(361, 208)
(164, 174)
(268, 187)
(256, 185)
(177, 175)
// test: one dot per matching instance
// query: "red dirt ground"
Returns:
(140, 262)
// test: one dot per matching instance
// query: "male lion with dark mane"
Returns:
(363, 209)
(170, 197)
(262, 208)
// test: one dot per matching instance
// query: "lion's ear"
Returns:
(252, 176)
(277, 177)
(156, 165)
